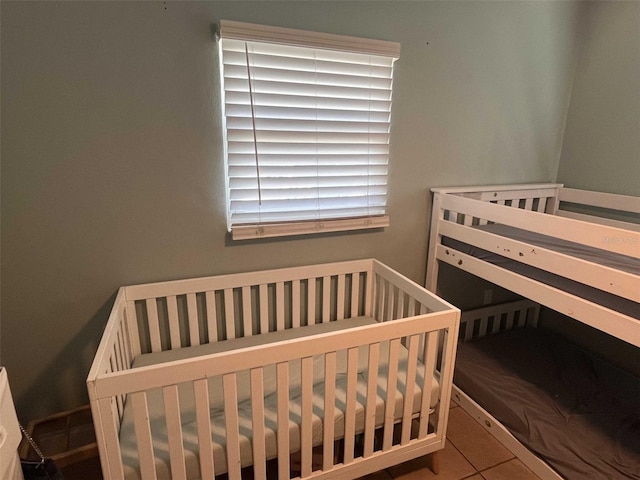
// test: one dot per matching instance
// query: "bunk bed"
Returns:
(575, 252)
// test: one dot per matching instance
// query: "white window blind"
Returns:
(307, 130)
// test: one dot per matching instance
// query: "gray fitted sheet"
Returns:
(602, 257)
(577, 412)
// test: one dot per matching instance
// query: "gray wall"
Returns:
(111, 155)
(601, 149)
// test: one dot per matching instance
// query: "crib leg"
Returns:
(434, 459)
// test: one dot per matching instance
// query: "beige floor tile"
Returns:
(475, 443)
(511, 470)
(453, 466)
(475, 477)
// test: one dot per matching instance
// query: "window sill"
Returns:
(269, 230)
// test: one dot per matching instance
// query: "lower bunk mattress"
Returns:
(578, 413)
(216, 398)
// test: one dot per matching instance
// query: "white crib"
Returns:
(231, 375)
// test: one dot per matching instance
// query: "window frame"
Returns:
(314, 40)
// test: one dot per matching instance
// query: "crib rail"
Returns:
(408, 318)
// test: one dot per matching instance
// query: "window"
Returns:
(307, 119)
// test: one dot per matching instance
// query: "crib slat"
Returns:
(143, 435)
(400, 299)
(174, 432)
(306, 443)
(329, 409)
(229, 313)
(355, 294)
(203, 419)
(295, 303)
(192, 313)
(257, 419)
(154, 327)
(429, 356)
(341, 297)
(409, 386)
(247, 323)
(311, 301)
(280, 306)
(370, 409)
(326, 299)
(212, 316)
(390, 402)
(111, 442)
(229, 385)
(390, 301)
(282, 376)
(174, 323)
(380, 297)
(350, 413)
(263, 292)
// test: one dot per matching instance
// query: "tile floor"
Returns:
(471, 454)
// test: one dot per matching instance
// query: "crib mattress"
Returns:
(578, 413)
(216, 398)
(602, 257)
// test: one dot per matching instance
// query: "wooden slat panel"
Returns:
(370, 409)
(203, 419)
(229, 313)
(306, 429)
(257, 419)
(174, 323)
(429, 356)
(143, 435)
(247, 318)
(392, 379)
(212, 316)
(174, 432)
(154, 327)
(282, 376)
(263, 292)
(350, 413)
(410, 383)
(229, 384)
(192, 313)
(329, 409)
(280, 306)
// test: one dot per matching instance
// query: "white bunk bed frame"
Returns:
(538, 208)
